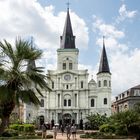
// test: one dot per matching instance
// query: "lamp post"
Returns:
(52, 115)
(81, 122)
(52, 122)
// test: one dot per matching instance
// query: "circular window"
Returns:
(67, 77)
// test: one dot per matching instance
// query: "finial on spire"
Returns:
(68, 4)
(91, 76)
(103, 40)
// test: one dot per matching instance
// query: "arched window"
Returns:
(82, 84)
(69, 102)
(64, 66)
(75, 100)
(105, 101)
(58, 100)
(109, 83)
(105, 83)
(42, 102)
(52, 85)
(70, 66)
(67, 86)
(99, 83)
(65, 102)
(92, 103)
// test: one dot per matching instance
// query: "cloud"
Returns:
(28, 18)
(107, 29)
(125, 14)
(112, 35)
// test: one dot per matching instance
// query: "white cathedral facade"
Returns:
(73, 97)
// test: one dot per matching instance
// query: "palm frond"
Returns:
(28, 96)
(6, 94)
(18, 82)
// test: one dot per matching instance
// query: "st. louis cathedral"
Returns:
(73, 97)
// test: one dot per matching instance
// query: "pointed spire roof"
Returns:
(67, 39)
(103, 67)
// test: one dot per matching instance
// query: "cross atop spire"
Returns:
(103, 40)
(68, 4)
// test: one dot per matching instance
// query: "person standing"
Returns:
(44, 131)
(68, 131)
(73, 131)
(55, 129)
(62, 129)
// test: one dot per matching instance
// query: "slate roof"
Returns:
(104, 66)
(67, 39)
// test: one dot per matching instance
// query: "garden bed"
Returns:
(100, 135)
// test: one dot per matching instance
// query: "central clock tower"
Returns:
(67, 54)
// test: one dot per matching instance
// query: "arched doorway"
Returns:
(41, 120)
(67, 118)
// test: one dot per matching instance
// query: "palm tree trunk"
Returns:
(4, 124)
(6, 112)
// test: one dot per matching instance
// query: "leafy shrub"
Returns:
(101, 135)
(107, 128)
(121, 130)
(95, 121)
(21, 127)
(29, 128)
(10, 133)
(14, 126)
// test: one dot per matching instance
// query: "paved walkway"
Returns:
(64, 137)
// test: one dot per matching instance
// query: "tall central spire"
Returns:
(67, 39)
(104, 67)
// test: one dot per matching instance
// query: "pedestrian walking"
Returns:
(68, 131)
(55, 129)
(44, 131)
(62, 129)
(73, 131)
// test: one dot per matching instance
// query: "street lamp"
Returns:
(81, 115)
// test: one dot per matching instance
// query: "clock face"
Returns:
(67, 77)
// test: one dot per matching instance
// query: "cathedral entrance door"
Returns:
(41, 119)
(67, 119)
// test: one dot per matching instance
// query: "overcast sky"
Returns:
(117, 20)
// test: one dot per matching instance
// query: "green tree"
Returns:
(125, 120)
(137, 107)
(18, 82)
(96, 120)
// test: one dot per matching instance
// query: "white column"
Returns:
(24, 116)
(60, 101)
(78, 118)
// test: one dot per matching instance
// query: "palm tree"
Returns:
(17, 81)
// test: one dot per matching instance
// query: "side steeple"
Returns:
(67, 39)
(104, 66)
